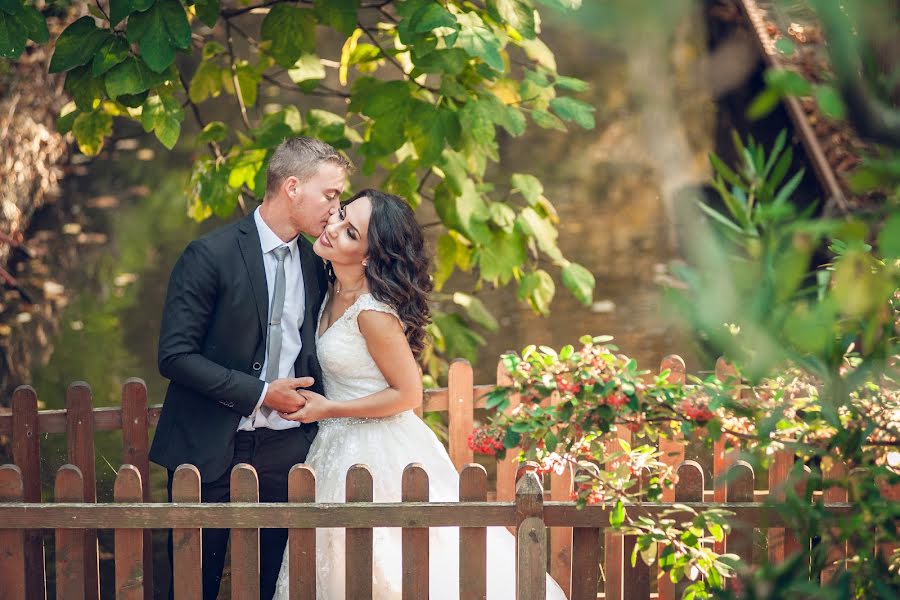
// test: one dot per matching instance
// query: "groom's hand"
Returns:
(316, 408)
(282, 395)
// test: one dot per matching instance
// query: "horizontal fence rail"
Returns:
(573, 543)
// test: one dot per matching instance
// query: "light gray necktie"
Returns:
(274, 344)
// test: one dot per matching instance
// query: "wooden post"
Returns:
(688, 489)
(187, 576)
(135, 451)
(837, 551)
(359, 539)
(779, 472)
(506, 468)
(70, 563)
(586, 561)
(531, 573)
(636, 578)
(672, 450)
(473, 540)
(673, 455)
(722, 457)
(80, 434)
(12, 541)
(460, 411)
(561, 486)
(129, 543)
(302, 542)
(244, 542)
(26, 450)
(740, 489)
(415, 539)
(614, 555)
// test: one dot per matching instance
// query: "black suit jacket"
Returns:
(212, 343)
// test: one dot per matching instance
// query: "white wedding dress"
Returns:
(387, 445)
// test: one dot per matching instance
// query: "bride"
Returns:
(371, 329)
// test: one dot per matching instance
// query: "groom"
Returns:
(237, 340)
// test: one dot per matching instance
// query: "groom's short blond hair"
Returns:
(301, 157)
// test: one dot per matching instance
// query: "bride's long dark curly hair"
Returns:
(397, 263)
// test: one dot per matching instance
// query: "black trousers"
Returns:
(272, 454)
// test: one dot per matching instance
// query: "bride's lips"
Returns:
(324, 239)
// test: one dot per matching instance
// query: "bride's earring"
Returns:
(365, 264)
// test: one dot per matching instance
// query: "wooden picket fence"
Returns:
(550, 530)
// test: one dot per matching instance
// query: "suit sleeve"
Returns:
(187, 316)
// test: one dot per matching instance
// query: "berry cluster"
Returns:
(696, 411)
(485, 441)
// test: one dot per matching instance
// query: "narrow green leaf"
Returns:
(476, 311)
(580, 282)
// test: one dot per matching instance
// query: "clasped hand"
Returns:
(283, 395)
(315, 408)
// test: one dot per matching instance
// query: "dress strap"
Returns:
(368, 302)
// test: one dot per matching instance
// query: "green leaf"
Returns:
(90, 130)
(248, 80)
(206, 82)
(512, 439)
(546, 120)
(785, 46)
(431, 16)
(889, 238)
(445, 260)
(538, 289)
(111, 53)
(562, 4)
(447, 62)
(119, 9)
(460, 340)
(307, 68)
(764, 103)
(67, 119)
(829, 101)
(579, 281)
(518, 14)
(540, 53)
(542, 230)
(163, 115)
(34, 23)
(131, 76)
(339, 14)
(501, 255)
(527, 185)
(292, 32)
(476, 311)
(479, 41)
(502, 216)
(428, 129)
(212, 189)
(617, 515)
(13, 36)
(276, 127)
(245, 167)
(83, 87)
(10, 7)
(572, 109)
(214, 131)
(208, 11)
(160, 30)
(787, 82)
(571, 84)
(77, 45)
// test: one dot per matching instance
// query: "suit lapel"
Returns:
(251, 250)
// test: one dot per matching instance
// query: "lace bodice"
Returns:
(348, 369)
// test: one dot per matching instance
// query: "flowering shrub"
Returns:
(572, 399)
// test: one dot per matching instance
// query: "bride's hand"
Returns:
(317, 407)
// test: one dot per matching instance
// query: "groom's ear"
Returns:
(291, 186)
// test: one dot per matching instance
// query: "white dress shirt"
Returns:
(291, 321)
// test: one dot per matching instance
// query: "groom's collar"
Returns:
(267, 238)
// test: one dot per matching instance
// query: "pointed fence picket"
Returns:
(570, 544)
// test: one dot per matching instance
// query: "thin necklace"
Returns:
(341, 291)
